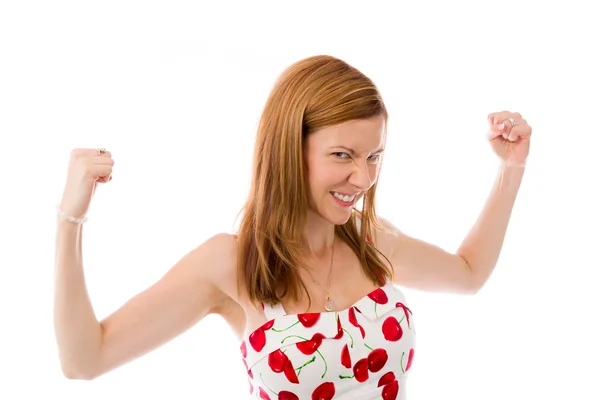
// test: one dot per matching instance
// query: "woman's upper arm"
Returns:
(193, 288)
(423, 266)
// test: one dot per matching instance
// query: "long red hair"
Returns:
(311, 94)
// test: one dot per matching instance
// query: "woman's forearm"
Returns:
(78, 332)
(481, 247)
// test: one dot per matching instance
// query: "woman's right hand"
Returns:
(87, 167)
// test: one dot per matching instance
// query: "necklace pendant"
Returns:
(329, 306)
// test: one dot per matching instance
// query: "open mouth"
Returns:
(344, 200)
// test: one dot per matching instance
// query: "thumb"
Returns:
(104, 179)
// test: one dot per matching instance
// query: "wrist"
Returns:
(513, 165)
(69, 218)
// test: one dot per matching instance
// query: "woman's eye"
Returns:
(337, 154)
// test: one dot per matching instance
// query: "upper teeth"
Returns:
(346, 198)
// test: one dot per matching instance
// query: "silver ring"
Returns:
(102, 150)
(512, 122)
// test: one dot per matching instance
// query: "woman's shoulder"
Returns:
(221, 256)
(224, 250)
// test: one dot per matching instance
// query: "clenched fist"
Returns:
(87, 167)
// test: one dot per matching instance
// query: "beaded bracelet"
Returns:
(70, 218)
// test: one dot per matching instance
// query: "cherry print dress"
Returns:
(363, 352)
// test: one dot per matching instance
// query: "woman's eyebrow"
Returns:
(352, 152)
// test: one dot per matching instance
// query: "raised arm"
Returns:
(188, 292)
(191, 289)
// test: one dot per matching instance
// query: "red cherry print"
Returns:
(243, 348)
(277, 361)
(306, 348)
(290, 372)
(390, 391)
(386, 378)
(346, 357)
(392, 331)
(340, 332)
(285, 395)
(352, 317)
(379, 296)
(247, 370)
(411, 354)
(377, 359)
(263, 394)
(361, 370)
(258, 339)
(310, 346)
(325, 391)
(406, 311)
(353, 321)
(282, 395)
(268, 325)
(309, 319)
(251, 387)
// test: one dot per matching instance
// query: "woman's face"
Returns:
(343, 163)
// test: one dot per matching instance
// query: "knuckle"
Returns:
(75, 153)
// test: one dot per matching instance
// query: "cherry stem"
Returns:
(375, 310)
(263, 381)
(305, 364)
(287, 337)
(346, 377)
(282, 330)
(351, 338)
(368, 347)
(318, 352)
(401, 366)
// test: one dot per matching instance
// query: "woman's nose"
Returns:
(361, 176)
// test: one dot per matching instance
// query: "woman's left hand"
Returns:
(509, 142)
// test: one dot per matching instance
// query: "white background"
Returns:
(175, 90)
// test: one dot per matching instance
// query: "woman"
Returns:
(309, 282)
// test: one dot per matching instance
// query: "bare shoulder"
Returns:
(223, 250)
(216, 261)
(386, 240)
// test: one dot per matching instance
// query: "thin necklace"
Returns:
(329, 304)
